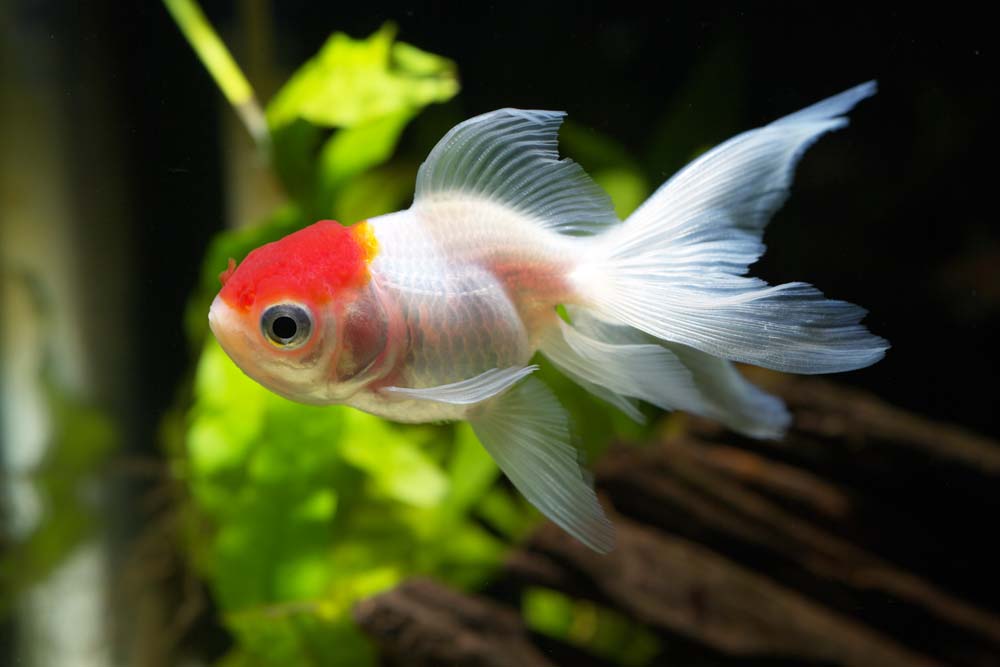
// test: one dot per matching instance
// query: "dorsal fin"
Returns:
(509, 157)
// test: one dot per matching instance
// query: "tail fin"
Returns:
(675, 269)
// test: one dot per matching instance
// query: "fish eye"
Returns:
(286, 325)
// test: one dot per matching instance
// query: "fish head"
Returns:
(302, 315)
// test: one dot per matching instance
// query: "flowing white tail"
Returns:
(668, 304)
(675, 269)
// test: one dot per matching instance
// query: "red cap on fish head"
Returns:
(315, 263)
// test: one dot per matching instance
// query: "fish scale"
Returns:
(460, 318)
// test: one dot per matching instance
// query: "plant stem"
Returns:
(220, 64)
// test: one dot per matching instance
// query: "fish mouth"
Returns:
(230, 329)
(226, 327)
(216, 317)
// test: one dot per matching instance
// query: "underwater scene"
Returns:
(489, 335)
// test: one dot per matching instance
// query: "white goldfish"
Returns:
(434, 313)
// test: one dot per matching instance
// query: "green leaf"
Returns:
(366, 91)
(351, 151)
(384, 190)
(295, 149)
(397, 467)
(350, 82)
(626, 187)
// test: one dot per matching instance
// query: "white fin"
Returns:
(509, 157)
(731, 398)
(619, 371)
(572, 366)
(839, 104)
(526, 432)
(467, 392)
(674, 269)
(624, 362)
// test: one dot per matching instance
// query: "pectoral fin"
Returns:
(526, 431)
(467, 392)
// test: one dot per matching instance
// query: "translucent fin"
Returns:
(831, 106)
(674, 269)
(509, 157)
(621, 370)
(737, 186)
(467, 392)
(678, 377)
(577, 369)
(526, 431)
(731, 398)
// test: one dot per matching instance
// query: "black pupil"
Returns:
(284, 327)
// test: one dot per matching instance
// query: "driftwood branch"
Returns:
(422, 623)
(676, 585)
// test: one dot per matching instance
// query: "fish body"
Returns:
(476, 288)
(434, 313)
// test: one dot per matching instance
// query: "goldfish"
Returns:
(434, 313)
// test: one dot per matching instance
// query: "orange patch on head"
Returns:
(314, 264)
(365, 236)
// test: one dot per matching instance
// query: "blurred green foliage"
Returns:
(367, 91)
(602, 631)
(296, 512)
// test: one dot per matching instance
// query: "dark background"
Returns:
(895, 213)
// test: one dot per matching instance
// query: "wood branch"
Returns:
(421, 623)
(677, 585)
(756, 471)
(720, 502)
(850, 416)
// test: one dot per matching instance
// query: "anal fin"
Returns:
(618, 363)
(619, 370)
(526, 431)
